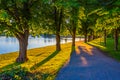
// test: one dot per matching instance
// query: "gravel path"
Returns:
(89, 64)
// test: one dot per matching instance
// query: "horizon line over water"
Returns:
(10, 44)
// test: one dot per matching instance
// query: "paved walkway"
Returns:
(88, 63)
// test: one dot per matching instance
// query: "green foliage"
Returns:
(108, 16)
(3, 15)
(108, 20)
(18, 15)
(87, 17)
(16, 73)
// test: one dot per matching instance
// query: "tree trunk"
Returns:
(58, 47)
(23, 43)
(89, 38)
(85, 37)
(58, 22)
(73, 36)
(65, 39)
(105, 37)
(116, 39)
(92, 36)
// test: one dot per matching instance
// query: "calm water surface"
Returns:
(10, 44)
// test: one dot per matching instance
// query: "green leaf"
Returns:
(3, 14)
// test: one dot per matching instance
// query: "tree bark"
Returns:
(58, 47)
(73, 36)
(116, 39)
(58, 22)
(89, 38)
(92, 36)
(23, 43)
(105, 37)
(85, 37)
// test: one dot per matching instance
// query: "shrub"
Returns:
(16, 73)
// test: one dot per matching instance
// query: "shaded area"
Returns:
(89, 64)
(44, 61)
(39, 54)
(22, 73)
(15, 73)
(72, 49)
(10, 66)
(39, 76)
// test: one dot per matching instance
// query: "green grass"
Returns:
(43, 63)
(109, 48)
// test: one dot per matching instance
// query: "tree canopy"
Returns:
(90, 18)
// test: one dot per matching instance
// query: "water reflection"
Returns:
(10, 44)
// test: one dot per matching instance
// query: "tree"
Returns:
(72, 18)
(54, 19)
(113, 20)
(87, 18)
(58, 21)
(16, 16)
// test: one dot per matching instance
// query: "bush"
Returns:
(16, 73)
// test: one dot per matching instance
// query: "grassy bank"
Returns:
(43, 63)
(109, 48)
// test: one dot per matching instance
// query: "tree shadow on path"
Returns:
(88, 63)
(79, 55)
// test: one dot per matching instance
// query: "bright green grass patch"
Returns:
(109, 48)
(43, 62)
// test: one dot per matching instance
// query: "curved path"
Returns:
(88, 63)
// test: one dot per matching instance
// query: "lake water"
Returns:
(10, 44)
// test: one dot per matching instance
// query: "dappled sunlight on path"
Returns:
(85, 47)
(83, 60)
(88, 63)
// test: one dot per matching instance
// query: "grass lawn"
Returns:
(43, 63)
(109, 48)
